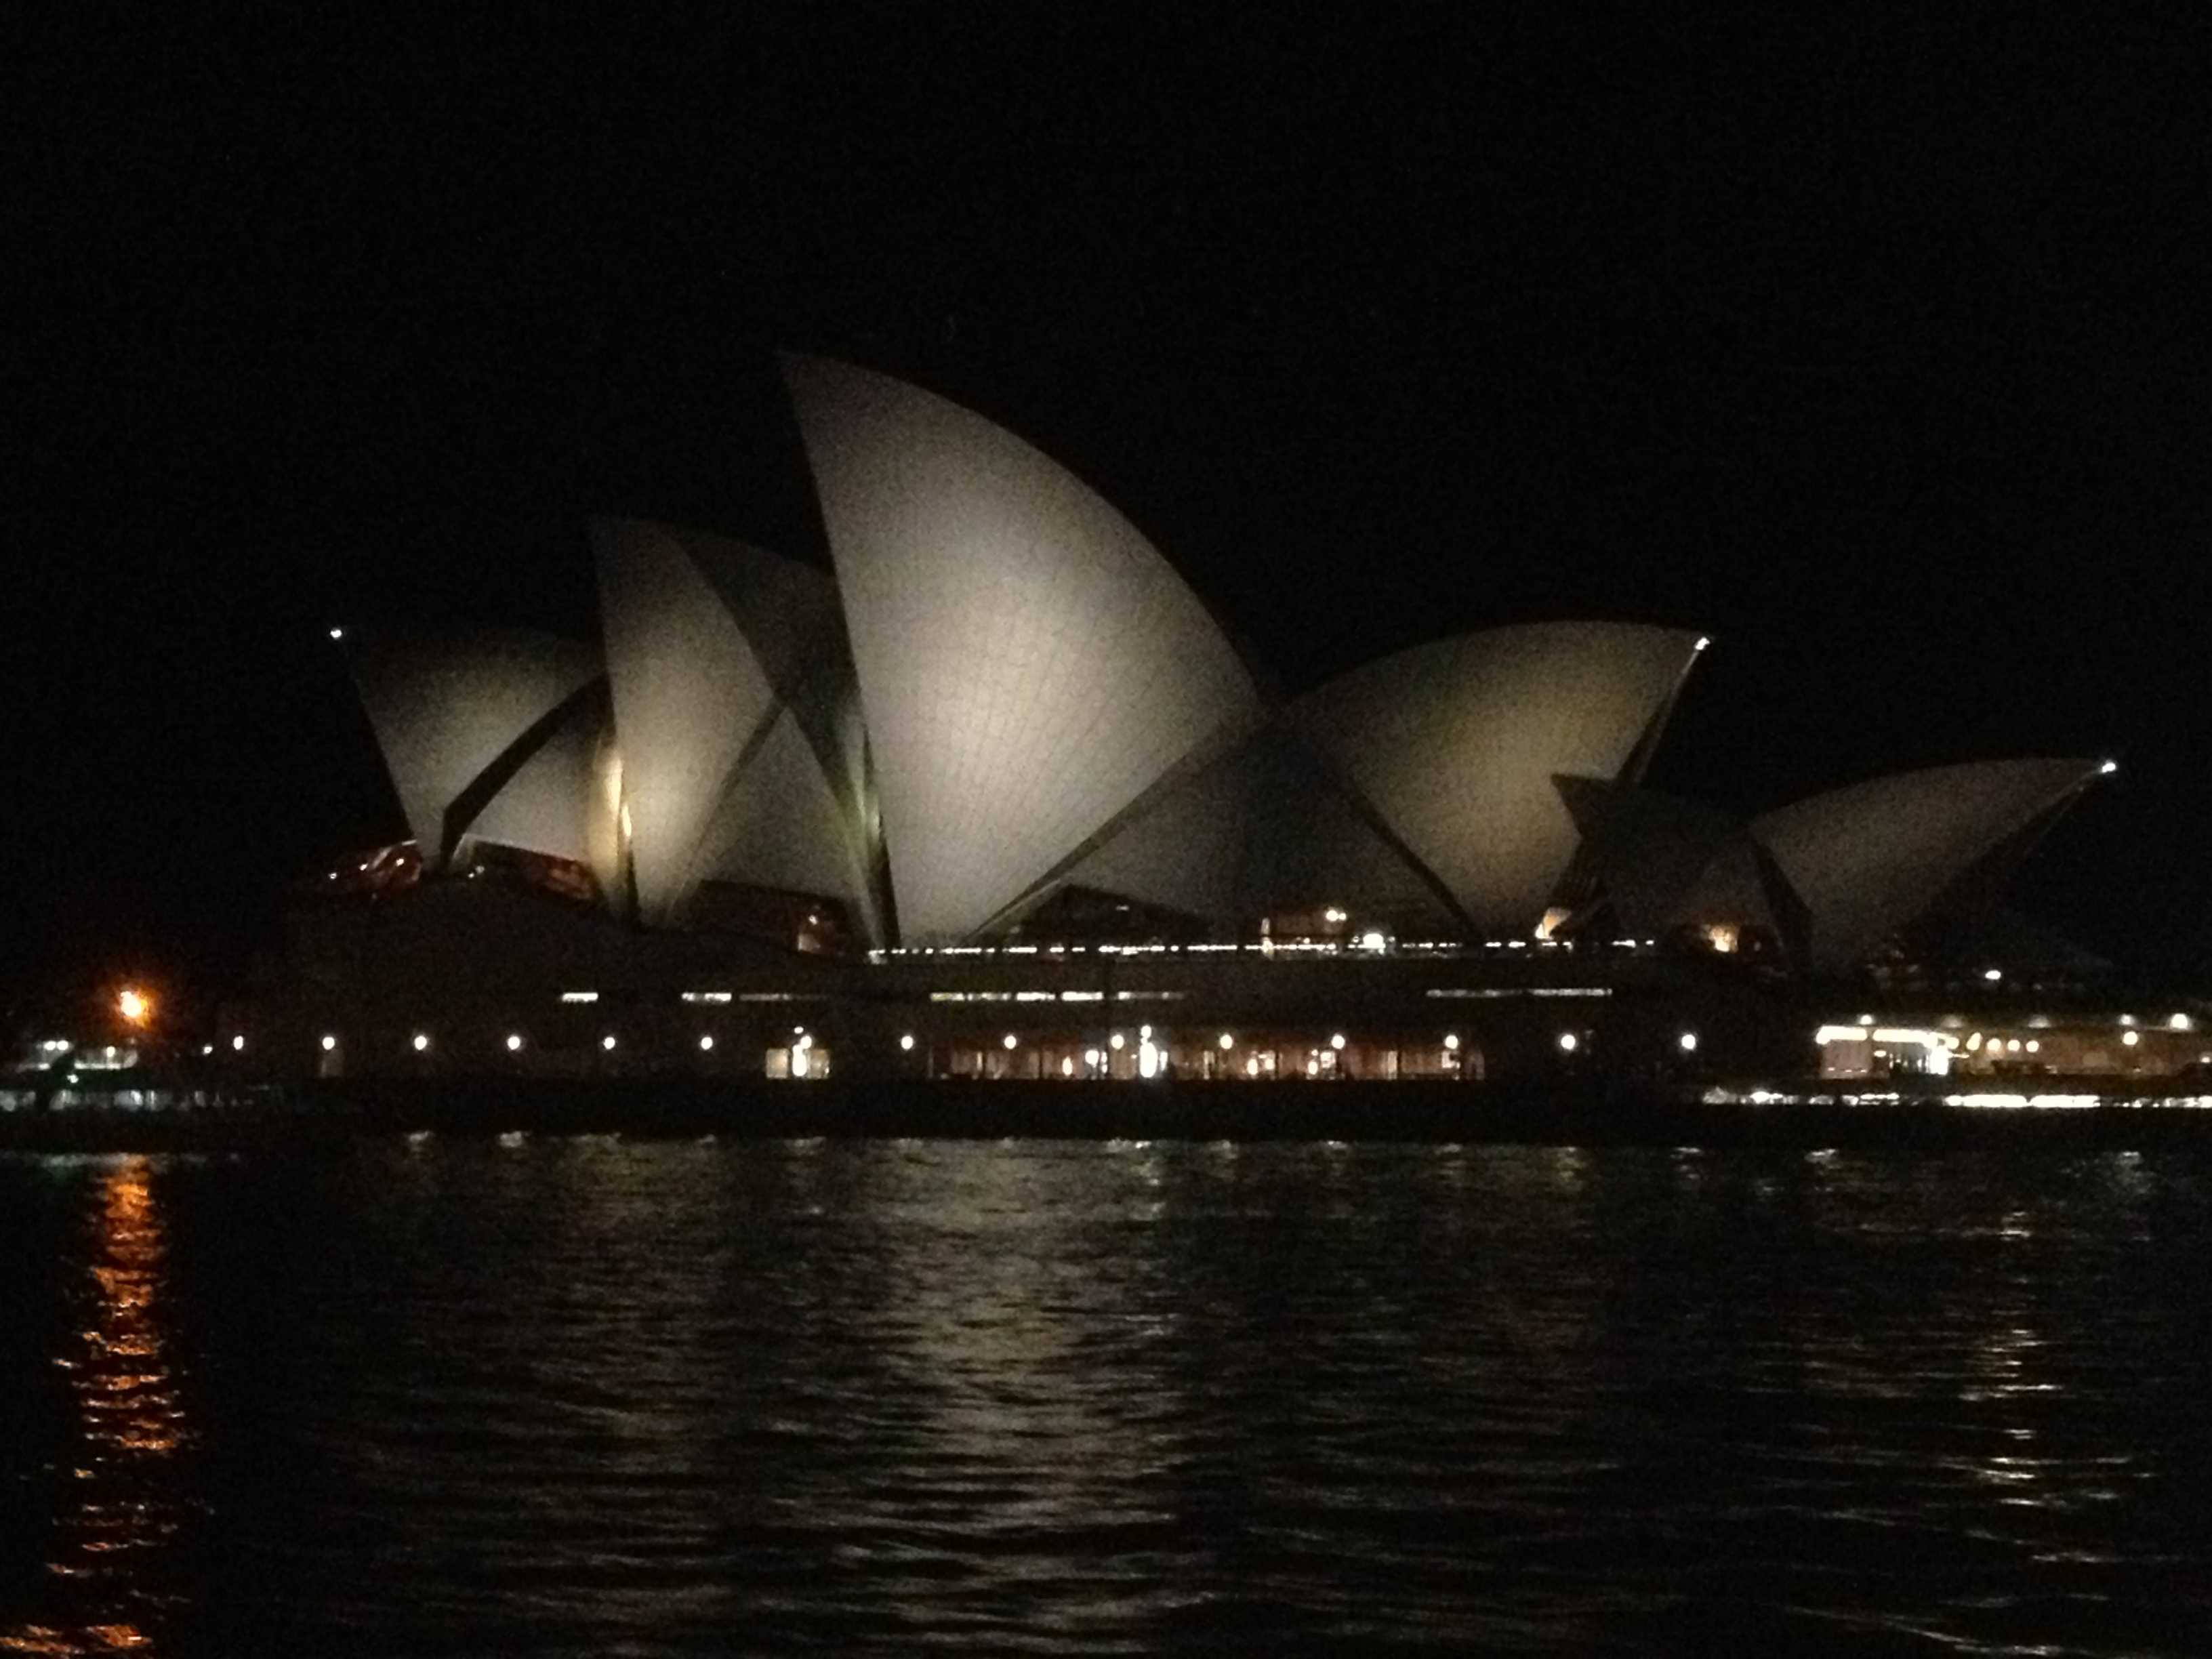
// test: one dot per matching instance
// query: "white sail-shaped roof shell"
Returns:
(1654, 854)
(445, 707)
(732, 690)
(1869, 858)
(690, 698)
(1265, 828)
(1029, 665)
(549, 805)
(1455, 745)
(780, 825)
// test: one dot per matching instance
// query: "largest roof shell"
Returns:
(1030, 666)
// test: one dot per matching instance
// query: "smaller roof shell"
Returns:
(1455, 744)
(1869, 858)
(447, 707)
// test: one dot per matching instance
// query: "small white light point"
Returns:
(2108, 768)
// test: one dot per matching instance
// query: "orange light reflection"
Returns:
(133, 1424)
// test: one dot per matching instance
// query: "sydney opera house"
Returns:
(991, 793)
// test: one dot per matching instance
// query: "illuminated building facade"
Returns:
(993, 795)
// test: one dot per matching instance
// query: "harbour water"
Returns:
(581, 1394)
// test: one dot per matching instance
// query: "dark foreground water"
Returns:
(595, 1397)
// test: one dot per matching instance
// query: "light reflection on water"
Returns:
(598, 1397)
(133, 1423)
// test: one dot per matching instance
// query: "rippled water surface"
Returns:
(592, 1396)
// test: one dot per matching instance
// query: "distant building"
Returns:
(994, 794)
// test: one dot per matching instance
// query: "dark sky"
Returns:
(1879, 352)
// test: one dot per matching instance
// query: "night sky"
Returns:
(1881, 354)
